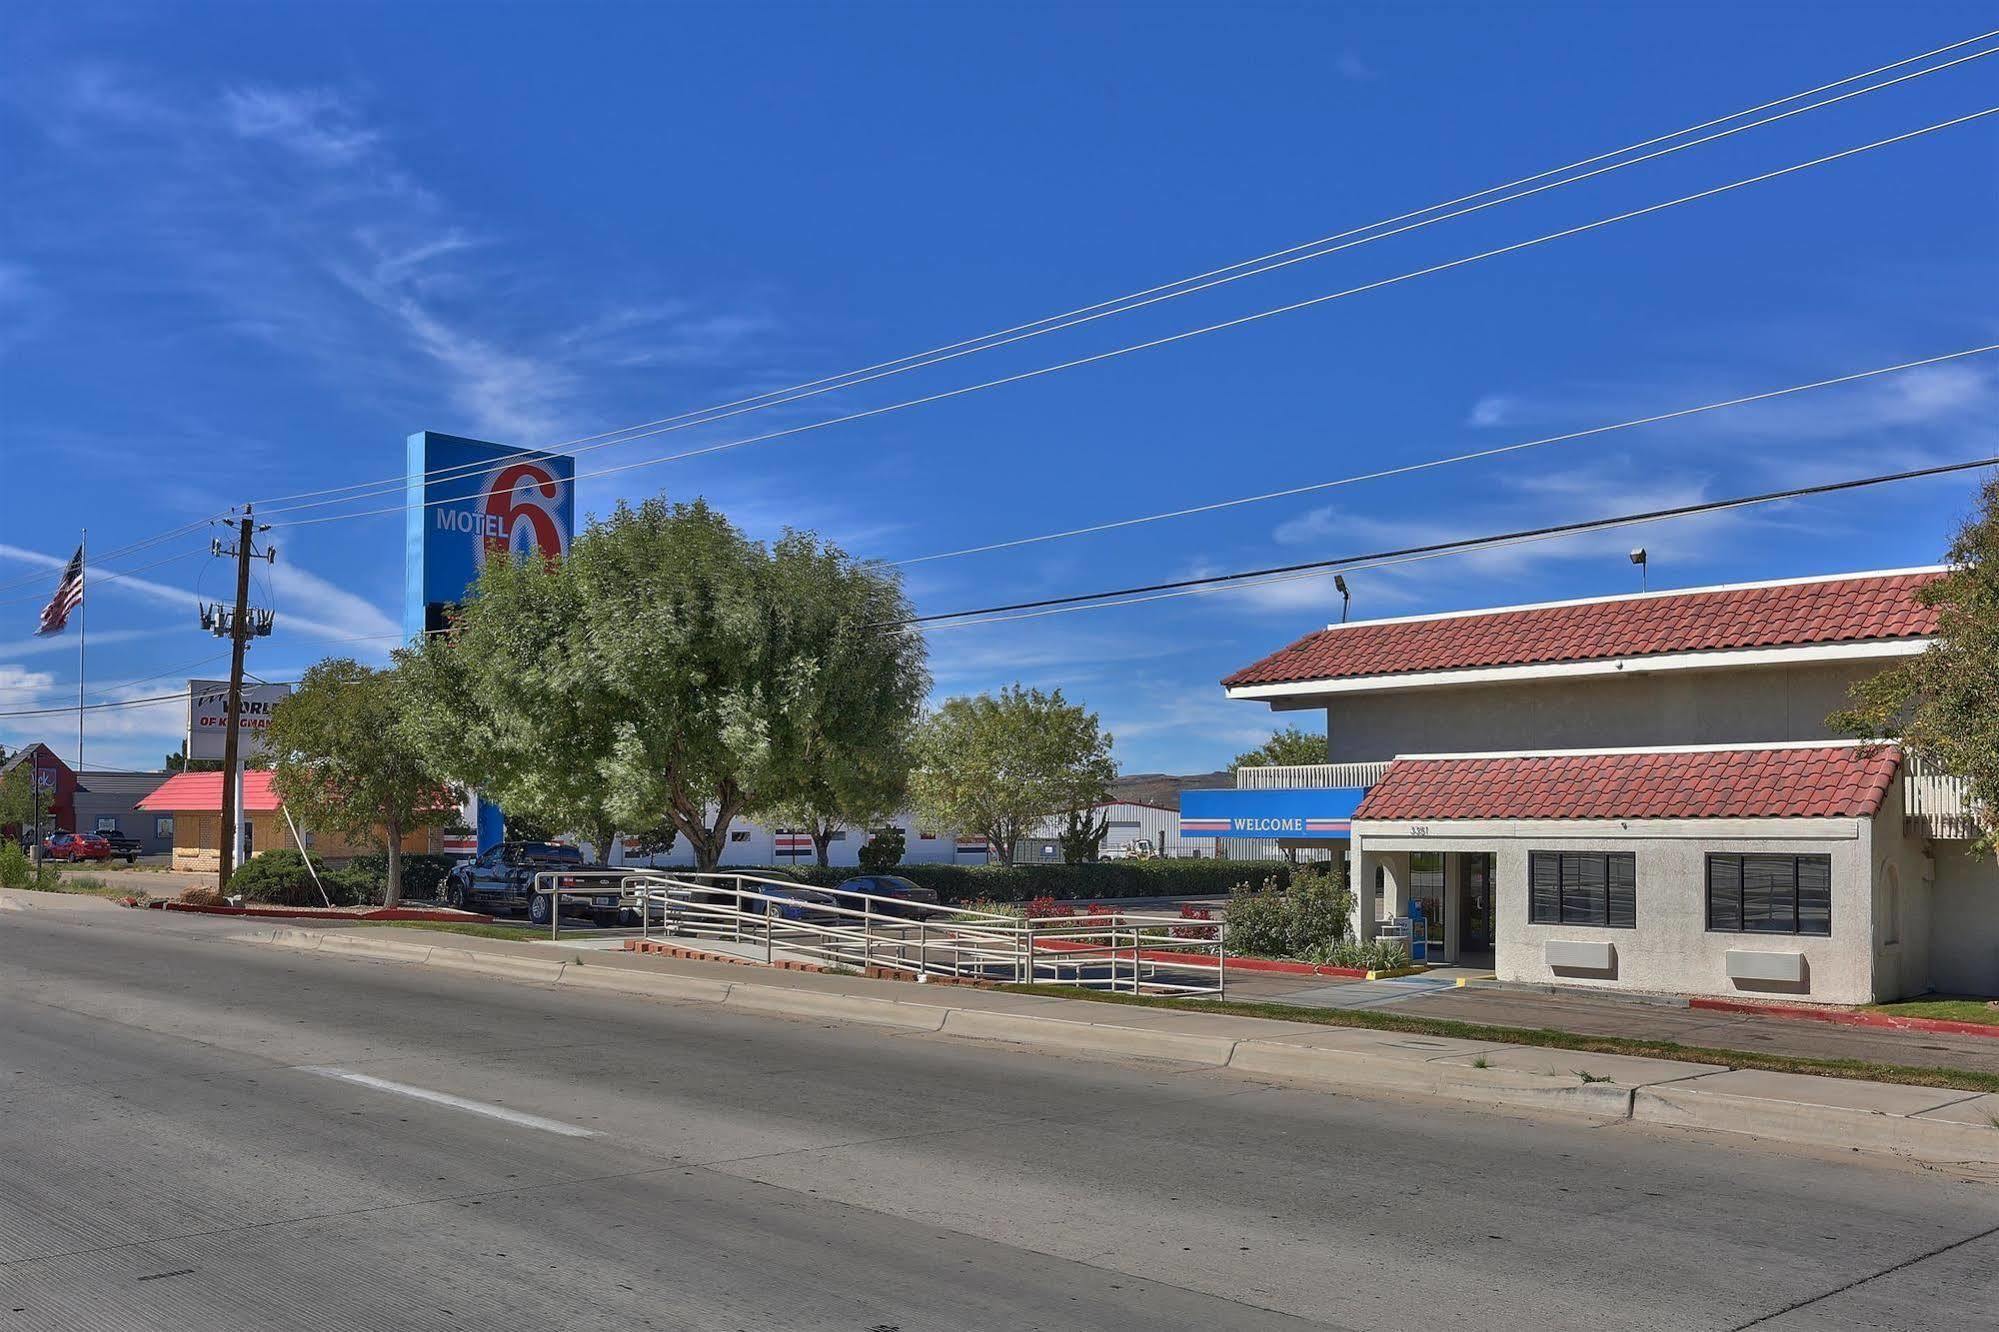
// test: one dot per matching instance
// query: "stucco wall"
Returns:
(1639, 708)
(1671, 950)
(1964, 921)
(1904, 902)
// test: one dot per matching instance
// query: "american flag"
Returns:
(69, 595)
(793, 843)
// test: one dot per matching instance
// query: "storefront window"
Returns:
(1583, 888)
(1426, 886)
(1769, 894)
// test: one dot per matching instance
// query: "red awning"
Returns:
(201, 793)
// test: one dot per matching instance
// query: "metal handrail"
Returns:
(1135, 952)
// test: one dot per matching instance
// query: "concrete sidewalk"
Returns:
(1922, 1122)
(1644, 1018)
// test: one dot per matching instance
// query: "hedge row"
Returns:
(1024, 883)
(279, 878)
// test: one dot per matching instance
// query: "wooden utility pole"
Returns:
(239, 638)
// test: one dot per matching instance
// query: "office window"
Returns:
(1769, 894)
(739, 834)
(107, 823)
(1583, 888)
(163, 826)
(839, 836)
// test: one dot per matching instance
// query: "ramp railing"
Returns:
(1132, 952)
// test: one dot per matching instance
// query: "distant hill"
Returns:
(1163, 788)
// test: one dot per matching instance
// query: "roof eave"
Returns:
(1880, 649)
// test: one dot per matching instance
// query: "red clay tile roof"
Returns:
(1796, 782)
(201, 793)
(1843, 610)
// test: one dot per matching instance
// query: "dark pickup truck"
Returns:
(503, 879)
(128, 849)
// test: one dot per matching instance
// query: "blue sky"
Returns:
(247, 249)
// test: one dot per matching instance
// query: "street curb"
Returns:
(1685, 1100)
(1841, 1017)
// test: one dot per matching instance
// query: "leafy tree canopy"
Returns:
(671, 668)
(1943, 705)
(1289, 747)
(999, 763)
(344, 760)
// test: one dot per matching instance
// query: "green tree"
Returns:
(999, 764)
(17, 798)
(1943, 704)
(345, 760)
(1292, 746)
(513, 704)
(883, 850)
(1082, 835)
(670, 667)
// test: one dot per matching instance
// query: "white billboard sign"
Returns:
(208, 717)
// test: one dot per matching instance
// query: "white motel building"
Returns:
(1635, 792)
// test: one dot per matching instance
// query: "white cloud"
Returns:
(314, 123)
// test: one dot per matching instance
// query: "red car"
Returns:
(76, 846)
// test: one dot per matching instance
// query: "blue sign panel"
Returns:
(470, 500)
(1315, 812)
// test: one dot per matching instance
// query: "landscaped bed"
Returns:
(1943, 1008)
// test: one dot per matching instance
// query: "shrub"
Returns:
(1046, 908)
(14, 868)
(280, 878)
(1309, 922)
(882, 851)
(423, 875)
(1194, 911)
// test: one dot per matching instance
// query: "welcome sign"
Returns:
(1301, 813)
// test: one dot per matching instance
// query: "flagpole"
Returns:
(82, 636)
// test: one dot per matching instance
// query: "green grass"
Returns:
(1952, 1008)
(1375, 1020)
(471, 927)
(82, 884)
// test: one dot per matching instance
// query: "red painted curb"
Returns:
(308, 913)
(1847, 1018)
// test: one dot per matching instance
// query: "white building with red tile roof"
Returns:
(1641, 792)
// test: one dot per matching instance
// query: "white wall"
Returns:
(1128, 823)
(1671, 951)
(754, 844)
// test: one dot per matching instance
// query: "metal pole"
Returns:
(1134, 959)
(82, 636)
(922, 947)
(1221, 956)
(768, 917)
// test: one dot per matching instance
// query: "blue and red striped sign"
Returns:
(1307, 813)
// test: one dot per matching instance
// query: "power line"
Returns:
(1457, 546)
(109, 575)
(1167, 291)
(1284, 572)
(1428, 464)
(1185, 334)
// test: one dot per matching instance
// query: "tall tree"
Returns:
(345, 761)
(999, 764)
(1082, 835)
(511, 704)
(17, 798)
(1943, 704)
(669, 666)
(852, 693)
(1292, 746)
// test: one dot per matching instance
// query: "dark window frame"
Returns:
(1740, 861)
(1608, 916)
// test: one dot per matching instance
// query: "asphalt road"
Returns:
(204, 1134)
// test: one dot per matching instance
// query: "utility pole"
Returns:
(240, 627)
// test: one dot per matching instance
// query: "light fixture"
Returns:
(1639, 558)
(1346, 598)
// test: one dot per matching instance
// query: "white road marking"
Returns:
(455, 1102)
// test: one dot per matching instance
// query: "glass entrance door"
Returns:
(1475, 926)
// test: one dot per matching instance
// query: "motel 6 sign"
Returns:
(471, 501)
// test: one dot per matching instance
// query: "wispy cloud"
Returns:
(310, 603)
(291, 210)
